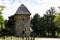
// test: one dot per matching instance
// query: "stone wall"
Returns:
(22, 25)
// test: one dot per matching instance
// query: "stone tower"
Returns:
(22, 21)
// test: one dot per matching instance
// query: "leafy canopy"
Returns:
(1, 18)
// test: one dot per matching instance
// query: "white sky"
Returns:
(34, 6)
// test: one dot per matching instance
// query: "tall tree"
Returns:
(10, 25)
(57, 23)
(45, 24)
(50, 26)
(1, 18)
(2, 25)
(35, 22)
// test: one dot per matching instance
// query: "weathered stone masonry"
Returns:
(22, 21)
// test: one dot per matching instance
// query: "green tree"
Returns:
(38, 25)
(1, 18)
(48, 22)
(10, 25)
(43, 25)
(57, 23)
(35, 23)
(2, 25)
(57, 19)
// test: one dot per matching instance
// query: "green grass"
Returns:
(7, 38)
(19, 38)
(13, 38)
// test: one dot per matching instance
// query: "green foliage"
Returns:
(9, 29)
(57, 23)
(2, 25)
(1, 18)
(1, 22)
(57, 19)
(9, 25)
(35, 23)
(49, 25)
(44, 26)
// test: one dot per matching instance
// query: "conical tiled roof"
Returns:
(22, 10)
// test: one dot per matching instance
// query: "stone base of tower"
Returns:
(17, 34)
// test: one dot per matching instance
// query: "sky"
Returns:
(34, 6)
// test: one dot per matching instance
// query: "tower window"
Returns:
(23, 32)
(23, 19)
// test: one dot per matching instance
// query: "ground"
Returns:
(18, 38)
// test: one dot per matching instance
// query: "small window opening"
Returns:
(23, 32)
(23, 19)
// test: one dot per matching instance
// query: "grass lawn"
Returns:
(18, 38)
(7, 38)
